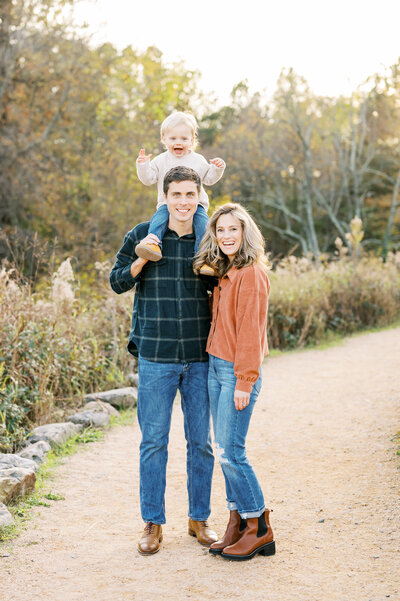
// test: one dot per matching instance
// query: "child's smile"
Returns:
(179, 140)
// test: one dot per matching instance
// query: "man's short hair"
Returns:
(181, 174)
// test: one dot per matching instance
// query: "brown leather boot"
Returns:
(151, 539)
(256, 538)
(231, 536)
(202, 531)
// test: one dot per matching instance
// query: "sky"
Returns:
(335, 45)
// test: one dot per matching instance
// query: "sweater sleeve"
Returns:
(121, 279)
(213, 174)
(148, 172)
(251, 323)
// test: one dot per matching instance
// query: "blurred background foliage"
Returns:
(321, 176)
(73, 117)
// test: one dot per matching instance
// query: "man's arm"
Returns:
(128, 266)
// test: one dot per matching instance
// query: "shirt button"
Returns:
(219, 288)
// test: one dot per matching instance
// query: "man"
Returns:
(170, 324)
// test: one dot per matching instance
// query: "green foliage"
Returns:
(54, 497)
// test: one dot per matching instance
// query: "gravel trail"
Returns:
(320, 442)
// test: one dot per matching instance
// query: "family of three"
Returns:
(214, 361)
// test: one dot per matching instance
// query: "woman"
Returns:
(237, 344)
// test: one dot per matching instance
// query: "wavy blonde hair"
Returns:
(252, 249)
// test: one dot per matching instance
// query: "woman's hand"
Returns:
(242, 399)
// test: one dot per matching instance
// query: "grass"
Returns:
(21, 509)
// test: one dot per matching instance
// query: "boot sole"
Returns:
(146, 253)
(215, 551)
(268, 549)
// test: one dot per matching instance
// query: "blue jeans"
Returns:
(159, 223)
(243, 491)
(158, 385)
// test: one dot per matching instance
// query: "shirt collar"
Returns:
(175, 235)
(232, 274)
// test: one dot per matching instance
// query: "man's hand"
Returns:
(143, 157)
(242, 399)
(137, 266)
(218, 162)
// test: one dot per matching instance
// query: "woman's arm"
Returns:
(251, 323)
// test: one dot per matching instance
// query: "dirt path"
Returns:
(320, 443)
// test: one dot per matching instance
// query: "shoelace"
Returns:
(148, 528)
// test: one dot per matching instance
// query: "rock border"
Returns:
(18, 470)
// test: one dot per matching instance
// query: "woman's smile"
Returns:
(229, 235)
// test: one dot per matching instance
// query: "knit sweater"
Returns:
(154, 171)
(239, 321)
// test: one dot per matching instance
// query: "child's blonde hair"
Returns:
(179, 118)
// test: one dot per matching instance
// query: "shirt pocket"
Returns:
(155, 275)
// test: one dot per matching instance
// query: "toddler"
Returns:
(179, 136)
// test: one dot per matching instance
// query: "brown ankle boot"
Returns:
(256, 538)
(231, 536)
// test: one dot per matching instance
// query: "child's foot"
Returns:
(206, 270)
(151, 252)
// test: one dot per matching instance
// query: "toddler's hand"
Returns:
(218, 163)
(143, 157)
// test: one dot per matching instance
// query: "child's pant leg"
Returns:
(159, 222)
(200, 222)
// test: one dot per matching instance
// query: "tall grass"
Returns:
(311, 299)
(60, 341)
(56, 345)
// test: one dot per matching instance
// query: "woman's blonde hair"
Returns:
(179, 118)
(252, 249)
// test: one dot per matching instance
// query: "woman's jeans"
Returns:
(158, 385)
(243, 491)
(159, 224)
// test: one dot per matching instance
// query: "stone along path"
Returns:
(320, 443)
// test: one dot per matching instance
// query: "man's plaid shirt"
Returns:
(171, 316)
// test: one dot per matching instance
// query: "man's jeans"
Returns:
(158, 385)
(243, 491)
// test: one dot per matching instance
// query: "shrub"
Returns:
(67, 339)
(309, 299)
(56, 346)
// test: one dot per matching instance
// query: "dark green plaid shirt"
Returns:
(171, 316)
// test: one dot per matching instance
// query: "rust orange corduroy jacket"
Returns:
(239, 322)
